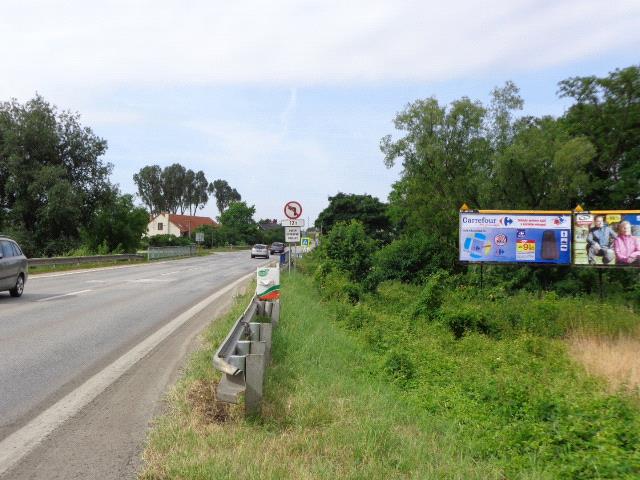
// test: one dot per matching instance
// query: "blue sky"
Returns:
(289, 99)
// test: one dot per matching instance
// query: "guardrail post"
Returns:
(254, 376)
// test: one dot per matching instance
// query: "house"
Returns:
(178, 225)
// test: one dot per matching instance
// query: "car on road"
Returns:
(13, 267)
(259, 250)
(276, 247)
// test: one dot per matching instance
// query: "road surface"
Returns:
(80, 372)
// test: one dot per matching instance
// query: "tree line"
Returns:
(176, 189)
(491, 157)
(56, 196)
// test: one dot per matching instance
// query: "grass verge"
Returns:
(327, 413)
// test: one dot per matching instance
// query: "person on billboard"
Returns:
(626, 246)
(600, 241)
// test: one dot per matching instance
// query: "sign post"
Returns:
(293, 211)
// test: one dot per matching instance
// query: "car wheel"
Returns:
(19, 288)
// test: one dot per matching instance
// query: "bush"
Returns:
(349, 249)
(410, 259)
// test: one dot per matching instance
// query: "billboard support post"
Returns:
(481, 275)
(600, 284)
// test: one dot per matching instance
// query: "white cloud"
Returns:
(166, 42)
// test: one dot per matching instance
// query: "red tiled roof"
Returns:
(189, 222)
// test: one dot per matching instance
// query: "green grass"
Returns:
(376, 391)
(327, 414)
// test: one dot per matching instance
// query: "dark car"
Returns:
(277, 247)
(13, 267)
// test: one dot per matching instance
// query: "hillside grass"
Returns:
(388, 388)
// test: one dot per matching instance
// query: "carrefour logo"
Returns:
(506, 221)
(558, 220)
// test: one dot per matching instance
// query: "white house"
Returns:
(178, 225)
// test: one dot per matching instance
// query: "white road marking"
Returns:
(20, 443)
(96, 281)
(149, 280)
(64, 295)
(170, 273)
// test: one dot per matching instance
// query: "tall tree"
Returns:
(173, 186)
(52, 177)
(607, 112)
(368, 210)
(224, 194)
(150, 189)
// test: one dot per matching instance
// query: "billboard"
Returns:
(607, 237)
(515, 237)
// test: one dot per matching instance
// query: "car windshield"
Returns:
(259, 246)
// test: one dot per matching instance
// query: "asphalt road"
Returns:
(68, 328)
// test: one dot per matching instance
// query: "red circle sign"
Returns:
(292, 209)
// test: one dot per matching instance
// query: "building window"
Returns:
(159, 225)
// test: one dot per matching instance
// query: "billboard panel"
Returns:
(512, 237)
(610, 238)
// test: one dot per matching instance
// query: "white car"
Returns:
(260, 250)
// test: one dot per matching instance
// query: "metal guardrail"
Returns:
(244, 355)
(53, 261)
(153, 253)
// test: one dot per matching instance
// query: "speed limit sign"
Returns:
(292, 210)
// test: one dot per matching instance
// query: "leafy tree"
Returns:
(237, 223)
(368, 210)
(225, 195)
(446, 158)
(52, 178)
(150, 188)
(607, 112)
(543, 167)
(119, 225)
(173, 186)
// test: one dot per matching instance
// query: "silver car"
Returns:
(260, 250)
(13, 267)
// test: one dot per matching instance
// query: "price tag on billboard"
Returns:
(292, 234)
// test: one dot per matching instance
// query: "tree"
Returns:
(237, 223)
(607, 112)
(173, 186)
(446, 155)
(224, 194)
(52, 178)
(349, 248)
(150, 188)
(542, 168)
(118, 226)
(368, 210)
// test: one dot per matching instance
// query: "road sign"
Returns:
(306, 241)
(292, 234)
(292, 210)
(199, 237)
(298, 222)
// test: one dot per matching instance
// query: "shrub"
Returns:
(410, 259)
(350, 249)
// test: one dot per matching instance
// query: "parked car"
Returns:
(13, 267)
(277, 247)
(259, 250)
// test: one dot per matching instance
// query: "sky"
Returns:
(288, 99)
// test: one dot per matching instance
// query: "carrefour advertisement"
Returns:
(608, 238)
(515, 238)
